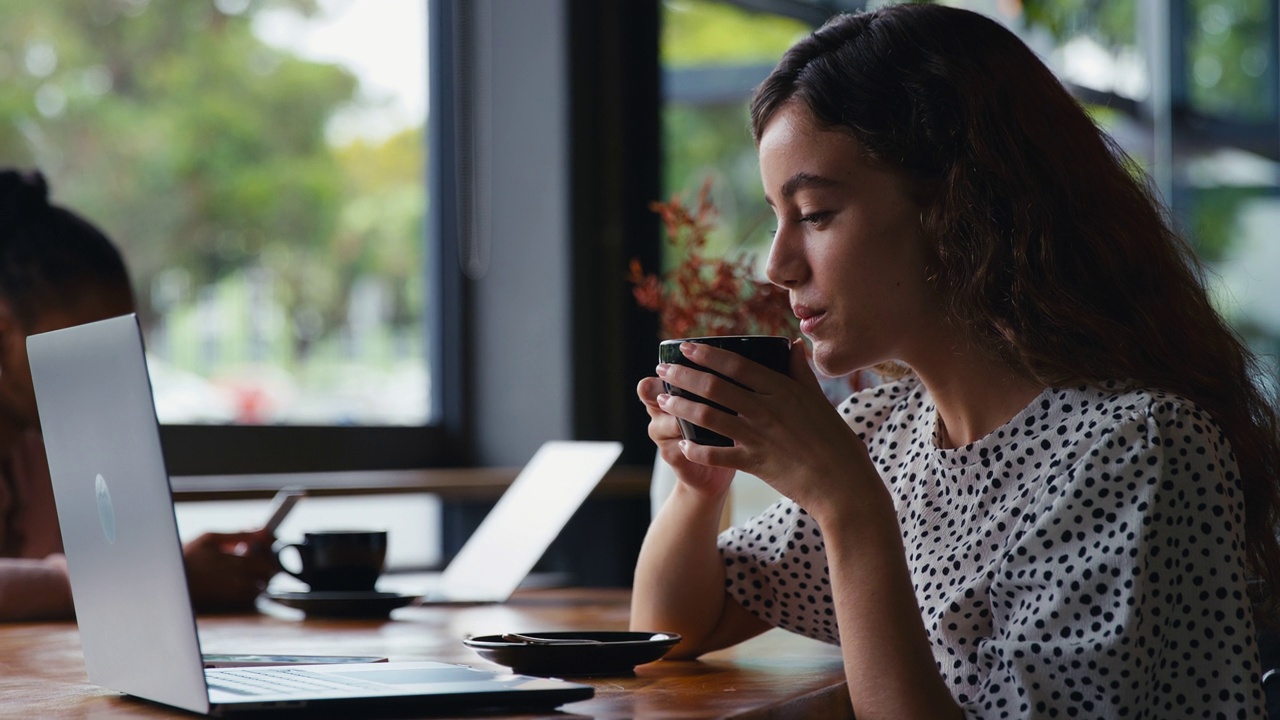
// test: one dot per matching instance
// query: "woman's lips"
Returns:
(810, 318)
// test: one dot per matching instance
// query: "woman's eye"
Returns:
(816, 218)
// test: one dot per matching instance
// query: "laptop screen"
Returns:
(526, 520)
(128, 580)
(124, 554)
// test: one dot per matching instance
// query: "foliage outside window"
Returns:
(274, 231)
(1230, 60)
(1224, 116)
(706, 133)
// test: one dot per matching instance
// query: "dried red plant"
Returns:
(704, 295)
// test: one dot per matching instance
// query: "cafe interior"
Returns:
(385, 251)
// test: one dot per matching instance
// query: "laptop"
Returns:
(515, 534)
(124, 556)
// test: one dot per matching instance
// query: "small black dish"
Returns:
(599, 653)
(363, 604)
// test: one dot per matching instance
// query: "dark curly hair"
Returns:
(1049, 247)
(49, 256)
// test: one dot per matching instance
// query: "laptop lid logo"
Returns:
(106, 513)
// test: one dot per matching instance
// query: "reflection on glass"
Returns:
(260, 163)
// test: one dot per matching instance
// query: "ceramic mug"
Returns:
(771, 351)
(339, 560)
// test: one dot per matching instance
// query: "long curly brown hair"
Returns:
(1050, 247)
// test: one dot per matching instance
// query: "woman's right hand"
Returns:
(679, 578)
(664, 430)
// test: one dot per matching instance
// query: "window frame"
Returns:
(598, 46)
(442, 441)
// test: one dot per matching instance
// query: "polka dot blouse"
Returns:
(1084, 560)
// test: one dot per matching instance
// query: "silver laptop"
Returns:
(128, 581)
(515, 534)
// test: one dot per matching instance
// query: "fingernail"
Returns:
(662, 370)
(663, 399)
(688, 349)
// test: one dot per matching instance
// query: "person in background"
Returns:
(1057, 507)
(58, 270)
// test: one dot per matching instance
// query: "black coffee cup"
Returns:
(771, 351)
(339, 560)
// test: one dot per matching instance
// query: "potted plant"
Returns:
(705, 295)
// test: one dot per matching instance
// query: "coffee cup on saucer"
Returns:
(338, 560)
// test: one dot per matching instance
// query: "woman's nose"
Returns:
(785, 267)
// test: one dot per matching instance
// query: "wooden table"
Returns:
(777, 675)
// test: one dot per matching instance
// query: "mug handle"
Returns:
(301, 548)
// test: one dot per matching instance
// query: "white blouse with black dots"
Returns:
(1083, 560)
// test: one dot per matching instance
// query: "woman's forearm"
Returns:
(34, 589)
(890, 669)
(679, 578)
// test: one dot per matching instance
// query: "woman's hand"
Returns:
(679, 582)
(785, 432)
(227, 571)
(664, 430)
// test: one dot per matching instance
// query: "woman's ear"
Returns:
(11, 328)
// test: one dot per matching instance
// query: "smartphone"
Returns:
(281, 504)
(233, 661)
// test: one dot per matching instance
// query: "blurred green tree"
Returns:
(199, 146)
(710, 138)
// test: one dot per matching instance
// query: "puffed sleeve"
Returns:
(776, 567)
(1124, 594)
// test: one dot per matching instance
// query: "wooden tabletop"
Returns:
(777, 675)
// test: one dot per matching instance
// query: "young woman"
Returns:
(1054, 509)
(57, 270)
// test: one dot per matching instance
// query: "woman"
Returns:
(57, 270)
(1045, 514)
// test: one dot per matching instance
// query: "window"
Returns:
(262, 165)
(713, 55)
(1188, 88)
(1225, 155)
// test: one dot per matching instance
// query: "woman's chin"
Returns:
(832, 363)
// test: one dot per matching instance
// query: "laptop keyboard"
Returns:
(277, 680)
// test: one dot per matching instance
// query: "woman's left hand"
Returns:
(785, 432)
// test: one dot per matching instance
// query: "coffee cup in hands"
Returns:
(339, 560)
(771, 351)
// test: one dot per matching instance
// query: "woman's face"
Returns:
(849, 246)
(17, 392)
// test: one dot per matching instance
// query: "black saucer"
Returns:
(602, 653)
(365, 604)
